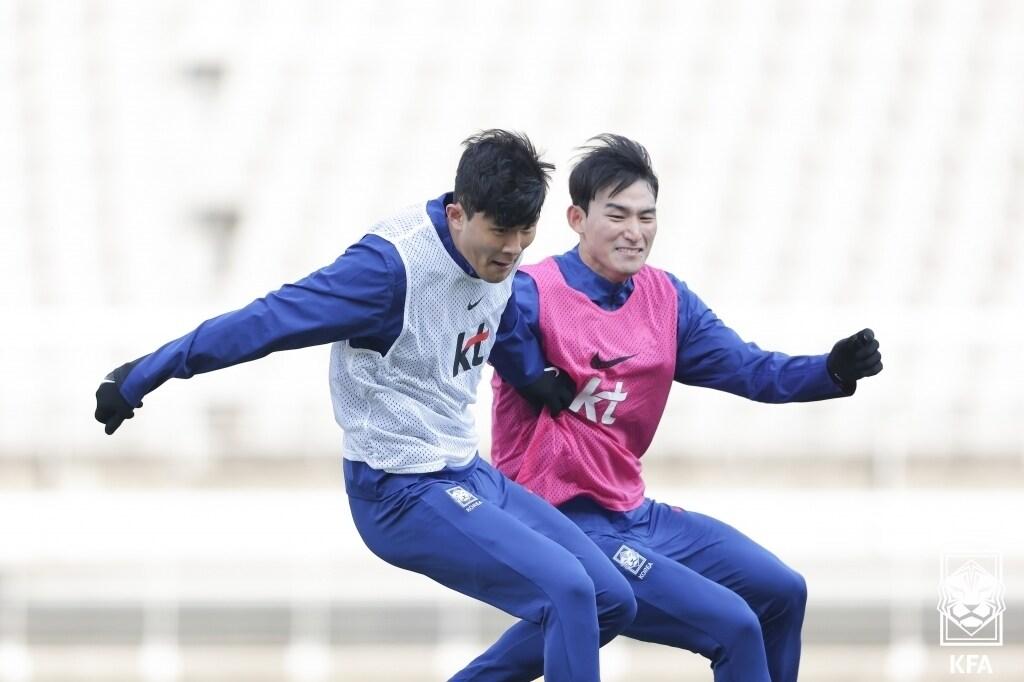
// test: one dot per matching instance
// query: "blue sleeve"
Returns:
(517, 355)
(712, 355)
(361, 296)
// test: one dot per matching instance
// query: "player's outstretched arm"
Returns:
(358, 295)
(712, 355)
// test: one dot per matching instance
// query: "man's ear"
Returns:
(576, 217)
(456, 216)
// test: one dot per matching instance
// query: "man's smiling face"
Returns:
(616, 231)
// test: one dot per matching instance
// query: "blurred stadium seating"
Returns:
(824, 166)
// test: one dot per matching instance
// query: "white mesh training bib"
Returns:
(408, 411)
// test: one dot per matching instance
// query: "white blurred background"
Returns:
(824, 166)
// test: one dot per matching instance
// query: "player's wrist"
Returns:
(847, 387)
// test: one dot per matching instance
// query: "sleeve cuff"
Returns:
(847, 388)
(825, 385)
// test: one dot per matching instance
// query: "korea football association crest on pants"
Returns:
(464, 498)
(632, 561)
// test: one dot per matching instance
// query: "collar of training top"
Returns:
(436, 212)
(608, 295)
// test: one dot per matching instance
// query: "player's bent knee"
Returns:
(569, 584)
(624, 615)
(796, 591)
(744, 628)
(616, 607)
(787, 590)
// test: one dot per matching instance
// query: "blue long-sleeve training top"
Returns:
(708, 353)
(359, 297)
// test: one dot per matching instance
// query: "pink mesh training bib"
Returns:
(623, 362)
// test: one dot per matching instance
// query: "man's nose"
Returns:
(632, 229)
(513, 244)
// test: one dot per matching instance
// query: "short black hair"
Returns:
(501, 175)
(612, 161)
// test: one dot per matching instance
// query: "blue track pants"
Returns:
(703, 586)
(479, 533)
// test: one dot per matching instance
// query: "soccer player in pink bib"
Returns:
(624, 331)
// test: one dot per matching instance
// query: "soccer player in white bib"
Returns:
(413, 310)
(625, 332)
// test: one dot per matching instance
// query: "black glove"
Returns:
(554, 390)
(111, 407)
(855, 358)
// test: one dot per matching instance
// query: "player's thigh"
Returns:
(725, 555)
(448, 533)
(676, 605)
(610, 586)
(539, 515)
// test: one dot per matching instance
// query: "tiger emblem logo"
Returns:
(632, 561)
(464, 498)
(971, 599)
